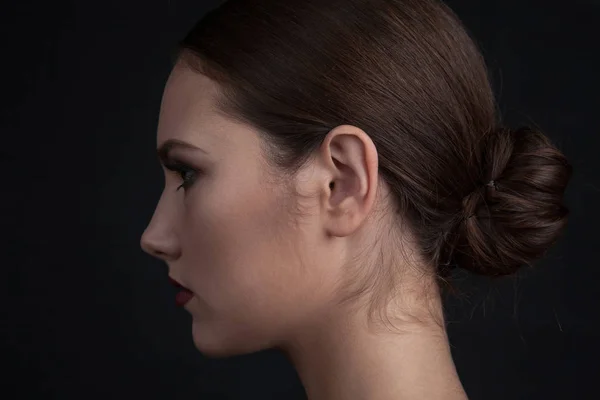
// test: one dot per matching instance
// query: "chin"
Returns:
(214, 340)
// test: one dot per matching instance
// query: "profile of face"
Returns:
(227, 230)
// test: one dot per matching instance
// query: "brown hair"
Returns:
(476, 194)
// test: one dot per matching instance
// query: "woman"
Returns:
(327, 165)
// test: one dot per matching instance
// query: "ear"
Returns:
(350, 180)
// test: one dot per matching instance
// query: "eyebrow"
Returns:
(168, 145)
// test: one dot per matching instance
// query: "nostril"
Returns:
(151, 247)
(159, 254)
(152, 250)
(159, 245)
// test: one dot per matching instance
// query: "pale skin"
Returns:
(265, 276)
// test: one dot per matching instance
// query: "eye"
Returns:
(188, 176)
(186, 173)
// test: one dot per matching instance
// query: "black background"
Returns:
(87, 315)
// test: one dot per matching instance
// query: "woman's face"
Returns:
(228, 234)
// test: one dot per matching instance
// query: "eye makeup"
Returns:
(187, 173)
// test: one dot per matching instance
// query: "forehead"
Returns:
(186, 111)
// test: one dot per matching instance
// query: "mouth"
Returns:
(176, 284)
(184, 295)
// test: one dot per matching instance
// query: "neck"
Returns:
(343, 358)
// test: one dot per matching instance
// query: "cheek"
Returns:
(238, 254)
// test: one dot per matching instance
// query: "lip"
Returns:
(176, 284)
(184, 295)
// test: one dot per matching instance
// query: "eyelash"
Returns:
(182, 170)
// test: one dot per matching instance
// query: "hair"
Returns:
(476, 194)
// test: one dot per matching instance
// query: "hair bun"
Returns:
(516, 213)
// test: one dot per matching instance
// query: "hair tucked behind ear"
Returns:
(407, 73)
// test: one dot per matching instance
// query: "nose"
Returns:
(159, 239)
(159, 245)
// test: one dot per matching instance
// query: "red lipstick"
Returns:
(184, 295)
